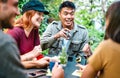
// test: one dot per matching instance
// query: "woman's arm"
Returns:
(32, 54)
(43, 62)
(89, 72)
(29, 64)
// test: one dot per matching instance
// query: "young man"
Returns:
(65, 30)
(10, 65)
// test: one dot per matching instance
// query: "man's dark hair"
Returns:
(67, 4)
(4, 1)
(113, 17)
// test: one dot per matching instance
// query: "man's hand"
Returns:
(57, 71)
(62, 33)
(86, 49)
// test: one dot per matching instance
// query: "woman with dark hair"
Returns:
(26, 34)
(106, 56)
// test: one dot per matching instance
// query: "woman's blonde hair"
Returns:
(25, 20)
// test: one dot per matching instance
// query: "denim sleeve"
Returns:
(47, 38)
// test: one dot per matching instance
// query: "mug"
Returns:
(51, 65)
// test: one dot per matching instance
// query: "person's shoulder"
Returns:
(55, 22)
(6, 39)
(109, 42)
(105, 42)
(8, 43)
(81, 27)
(104, 45)
(15, 30)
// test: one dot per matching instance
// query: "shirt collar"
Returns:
(75, 28)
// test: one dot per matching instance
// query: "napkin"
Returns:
(49, 73)
(77, 73)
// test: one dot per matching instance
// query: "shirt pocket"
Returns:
(76, 45)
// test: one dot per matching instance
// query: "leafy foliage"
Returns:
(86, 18)
(52, 6)
(91, 15)
(21, 3)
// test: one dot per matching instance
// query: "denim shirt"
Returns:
(75, 44)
